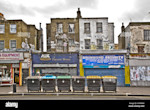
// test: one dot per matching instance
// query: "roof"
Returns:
(139, 23)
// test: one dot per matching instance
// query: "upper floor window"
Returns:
(71, 28)
(71, 42)
(99, 27)
(13, 28)
(12, 44)
(86, 27)
(87, 44)
(2, 28)
(99, 44)
(1, 44)
(146, 34)
(140, 48)
(60, 28)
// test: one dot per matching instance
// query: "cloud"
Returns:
(14, 9)
(140, 10)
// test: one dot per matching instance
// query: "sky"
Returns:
(117, 11)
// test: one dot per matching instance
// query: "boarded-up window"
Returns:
(99, 27)
(140, 49)
(86, 27)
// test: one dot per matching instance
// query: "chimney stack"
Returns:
(79, 13)
(122, 28)
(2, 16)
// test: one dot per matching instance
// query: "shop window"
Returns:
(12, 44)
(86, 27)
(87, 44)
(13, 28)
(99, 27)
(147, 35)
(71, 28)
(140, 49)
(2, 28)
(60, 28)
(1, 44)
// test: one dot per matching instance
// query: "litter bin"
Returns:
(33, 83)
(48, 83)
(14, 87)
(78, 83)
(93, 83)
(109, 83)
(63, 83)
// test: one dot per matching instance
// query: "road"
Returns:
(72, 97)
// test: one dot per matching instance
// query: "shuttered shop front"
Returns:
(104, 65)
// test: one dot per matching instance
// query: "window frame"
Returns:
(3, 45)
(85, 28)
(11, 44)
(57, 28)
(2, 28)
(101, 27)
(69, 28)
(146, 35)
(89, 45)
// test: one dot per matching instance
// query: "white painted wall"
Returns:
(94, 35)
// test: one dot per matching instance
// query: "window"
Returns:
(2, 28)
(71, 28)
(12, 43)
(60, 28)
(99, 44)
(99, 27)
(71, 42)
(13, 28)
(60, 42)
(87, 44)
(140, 49)
(1, 44)
(86, 27)
(147, 35)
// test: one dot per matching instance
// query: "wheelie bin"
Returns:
(78, 83)
(109, 83)
(48, 83)
(63, 83)
(33, 83)
(93, 83)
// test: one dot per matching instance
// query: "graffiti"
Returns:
(140, 73)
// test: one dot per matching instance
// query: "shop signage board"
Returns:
(55, 58)
(11, 56)
(103, 59)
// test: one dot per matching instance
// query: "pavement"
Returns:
(121, 91)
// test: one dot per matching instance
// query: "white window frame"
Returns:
(13, 28)
(71, 28)
(11, 45)
(3, 45)
(59, 28)
(2, 28)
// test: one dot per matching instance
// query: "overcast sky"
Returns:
(117, 11)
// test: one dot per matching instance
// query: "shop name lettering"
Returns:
(47, 57)
(9, 55)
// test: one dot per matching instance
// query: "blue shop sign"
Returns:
(55, 58)
(103, 60)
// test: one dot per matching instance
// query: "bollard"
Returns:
(14, 87)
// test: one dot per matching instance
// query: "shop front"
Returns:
(55, 63)
(139, 69)
(10, 67)
(108, 64)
